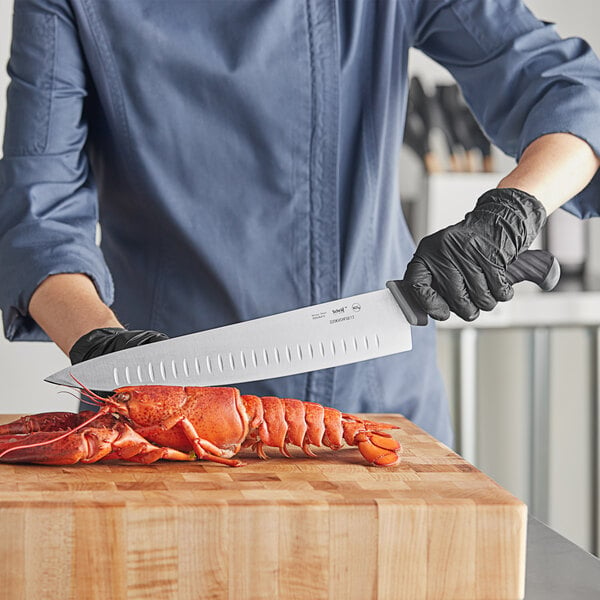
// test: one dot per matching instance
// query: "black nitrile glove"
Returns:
(463, 268)
(110, 339)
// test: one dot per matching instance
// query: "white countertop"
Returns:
(536, 309)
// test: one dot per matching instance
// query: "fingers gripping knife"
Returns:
(316, 337)
(537, 266)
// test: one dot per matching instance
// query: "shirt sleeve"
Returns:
(520, 78)
(48, 202)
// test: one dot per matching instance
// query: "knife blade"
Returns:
(306, 339)
(353, 329)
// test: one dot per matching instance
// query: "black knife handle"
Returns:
(538, 266)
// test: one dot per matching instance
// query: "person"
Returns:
(240, 158)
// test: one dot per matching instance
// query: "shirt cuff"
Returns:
(16, 294)
(571, 110)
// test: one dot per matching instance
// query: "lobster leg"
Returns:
(133, 447)
(204, 449)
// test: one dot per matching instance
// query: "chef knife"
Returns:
(315, 337)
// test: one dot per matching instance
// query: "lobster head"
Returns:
(147, 404)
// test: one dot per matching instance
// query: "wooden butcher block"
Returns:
(432, 528)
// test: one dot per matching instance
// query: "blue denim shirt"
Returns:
(241, 158)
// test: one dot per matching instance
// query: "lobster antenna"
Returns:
(89, 399)
(96, 400)
(78, 397)
(88, 393)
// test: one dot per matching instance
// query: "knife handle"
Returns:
(538, 266)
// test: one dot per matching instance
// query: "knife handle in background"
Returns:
(538, 266)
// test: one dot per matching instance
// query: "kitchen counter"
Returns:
(557, 569)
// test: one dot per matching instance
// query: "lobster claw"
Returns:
(48, 421)
(39, 447)
(64, 438)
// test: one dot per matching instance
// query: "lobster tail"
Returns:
(378, 448)
(276, 422)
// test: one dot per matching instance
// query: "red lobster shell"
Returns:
(147, 423)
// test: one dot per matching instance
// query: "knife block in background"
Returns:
(332, 528)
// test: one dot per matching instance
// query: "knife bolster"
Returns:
(413, 312)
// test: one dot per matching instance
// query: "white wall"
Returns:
(573, 17)
(23, 366)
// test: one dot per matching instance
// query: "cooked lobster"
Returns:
(147, 423)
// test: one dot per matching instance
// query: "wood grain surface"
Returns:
(432, 528)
